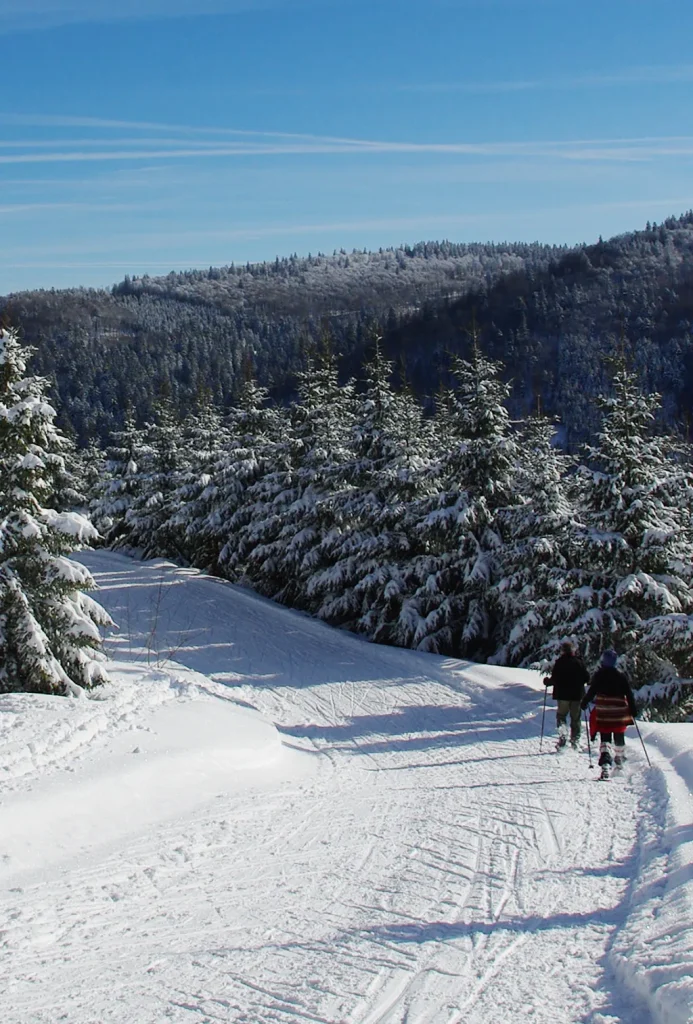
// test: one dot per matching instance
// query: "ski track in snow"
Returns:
(427, 867)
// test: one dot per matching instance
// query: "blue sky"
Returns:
(150, 135)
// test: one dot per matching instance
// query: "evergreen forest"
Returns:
(549, 314)
(464, 532)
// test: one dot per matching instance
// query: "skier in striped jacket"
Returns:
(614, 707)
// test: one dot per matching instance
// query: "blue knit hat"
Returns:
(609, 659)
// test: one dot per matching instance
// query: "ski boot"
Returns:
(605, 762)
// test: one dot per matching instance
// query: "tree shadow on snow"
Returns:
(464, 760)
(617, 1001)
(418, 933)
(414, 728)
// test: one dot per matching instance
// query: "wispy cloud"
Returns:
(70, 121)
(138, 142)
(23, 15)
(605, 150)
(8, 209)
(644, 75)
(186, 141)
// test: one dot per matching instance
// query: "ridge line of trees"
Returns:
(548, 314)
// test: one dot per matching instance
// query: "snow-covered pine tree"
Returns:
(91, 476)
(292, 526)
(359, 581)
(408, 478)
(254, 430)
(671, 697)
(121, 482)
(535, 555)
(255, 525)
(450, 608)
(630, 581)
(49, 626)
(68, 487)
(204, 441)
(673, 633)
(150, 523)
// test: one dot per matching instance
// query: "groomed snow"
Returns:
(263, 819)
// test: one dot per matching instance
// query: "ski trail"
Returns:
(432, 869)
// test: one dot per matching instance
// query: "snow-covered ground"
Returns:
(263, 819)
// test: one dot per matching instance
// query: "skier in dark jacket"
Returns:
(614, 710)
(568, 679)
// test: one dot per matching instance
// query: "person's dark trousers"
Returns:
(619, 742)
(563, 709)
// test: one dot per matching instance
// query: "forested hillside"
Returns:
(192, 336)
(552, 327)
(549, 313)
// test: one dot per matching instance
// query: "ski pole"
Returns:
(589, 745)
(643, 742)
(543, 715)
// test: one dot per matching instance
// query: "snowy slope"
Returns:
(379, 842)
(150, 765)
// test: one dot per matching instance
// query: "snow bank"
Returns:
(82, 774)
(38, 733)
(653, 953)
